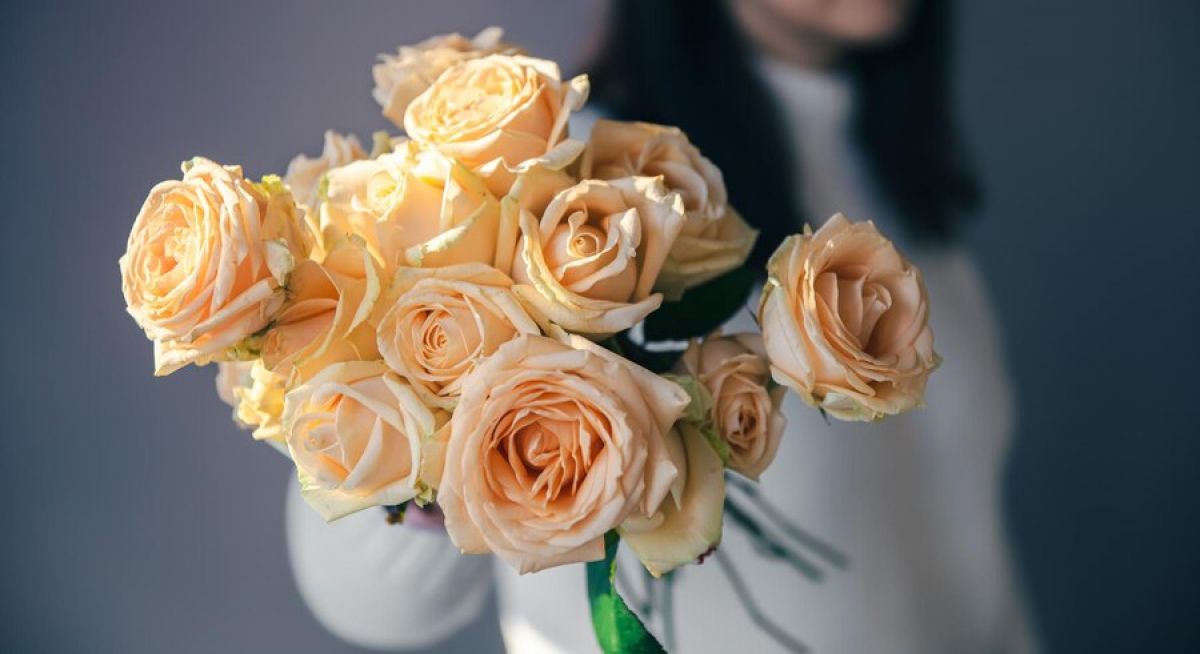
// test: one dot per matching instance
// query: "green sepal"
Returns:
(618, 629)
(381, 143)
(249, 348)
(719, 445)
(699, 409)
(699, 413)
(426, 495)
(323, 189)
(272, 185)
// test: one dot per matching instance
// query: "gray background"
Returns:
(135, 518)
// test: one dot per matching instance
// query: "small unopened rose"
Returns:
(499, 115)
(413, 207)
(304, 173)
(746, 415)
(256, 395)
(845, 319)
(590, 253)
(355, 432)
(714, 239)
(552, 445)
(401, 77)
(442, 322)
(207, 261)
(326, 317)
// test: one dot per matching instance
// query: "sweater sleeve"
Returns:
(383, 586)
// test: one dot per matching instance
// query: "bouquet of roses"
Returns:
(519, 327)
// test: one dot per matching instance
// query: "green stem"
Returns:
(752, 609)
(618, 629)
(795, 531)
(765, 544)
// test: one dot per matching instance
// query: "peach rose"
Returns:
(256, 395)
(551, 446)
(688, 524)
(714, 239)
(304, 173)
(704, 251)
(413, 207)
(207, 262)
(356, 432)
(628, 149)
(590, 253)
(845, 319)
(230, 376)
(735, 371)
(442, 322)
(401, 77)
(326, 317)
(499, 115)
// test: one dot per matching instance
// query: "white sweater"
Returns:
(914, 501)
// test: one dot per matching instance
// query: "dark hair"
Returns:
(685, 63)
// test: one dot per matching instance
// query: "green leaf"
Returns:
(702, 309)
(618, 629)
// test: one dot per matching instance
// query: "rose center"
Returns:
(434, 341)
(538, 448)
(859, 303)
(477, 95)
(741, 422)
(551, 451)
(586, 242)
(169, 259)
(176, 245)
(435, 338)
(876, 300)
(588, 257)
(745, 421)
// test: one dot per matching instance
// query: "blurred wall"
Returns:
(1083, 116)
(138, 519)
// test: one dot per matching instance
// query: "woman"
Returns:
(809, 107)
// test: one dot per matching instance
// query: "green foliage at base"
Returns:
(618, 629)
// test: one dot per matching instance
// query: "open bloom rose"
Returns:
(442, 322)
(355, 432)
(401, 77)
(627, 149)
(714, 239)
(413, 207)
(746, 416)
(551, 446)
(207, 261)
(304, 173)
(499, 115)
(326, 315)
(256, 395)
(845, 321)
(590, 253)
